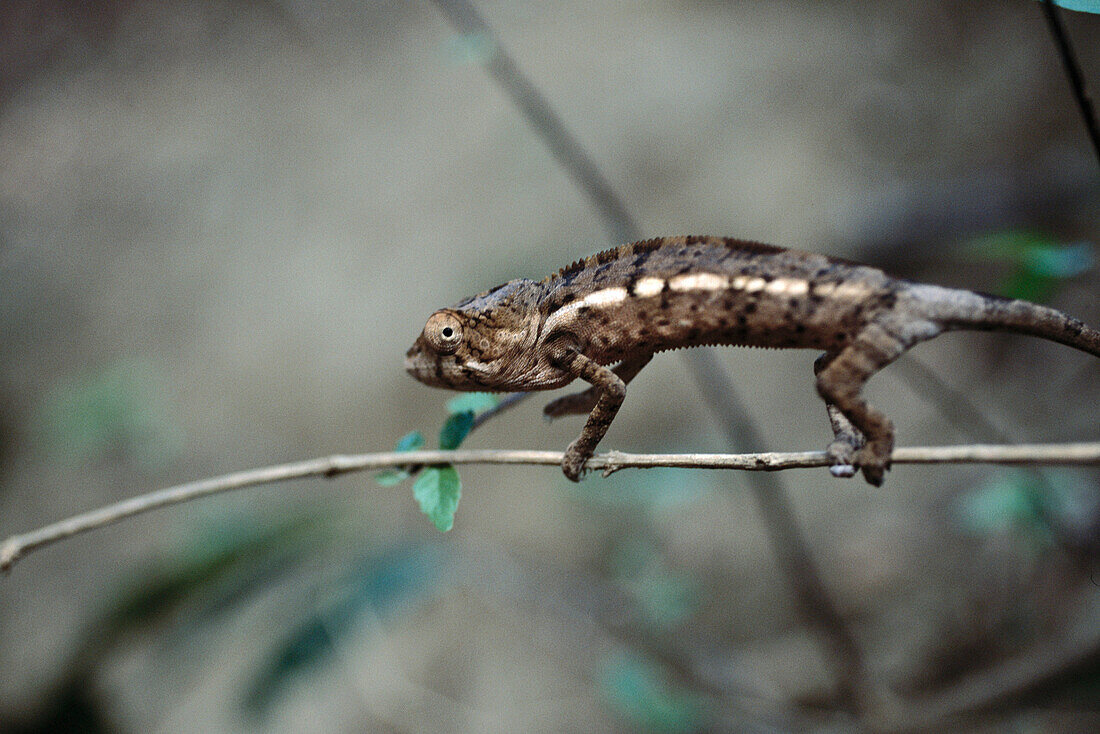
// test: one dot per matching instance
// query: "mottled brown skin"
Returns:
(621, 306)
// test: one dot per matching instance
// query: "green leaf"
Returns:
(411, 441)
(1081, 6)
(391, 477)
(455, 429)
(438, 490)
(475, 402)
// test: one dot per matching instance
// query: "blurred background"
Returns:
(223, 223)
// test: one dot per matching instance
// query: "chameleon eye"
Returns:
(444, 332)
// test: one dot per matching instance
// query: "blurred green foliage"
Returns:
(118, 410)
(220, 567)
(470, 48)
(1027, 502)
(382, 584)
(638, 689)
(1040, 263)
(663, 597)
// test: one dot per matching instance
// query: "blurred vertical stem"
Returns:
(792, 552)
(1073, 73)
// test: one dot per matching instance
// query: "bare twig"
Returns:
(17, 546)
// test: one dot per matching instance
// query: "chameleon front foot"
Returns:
(573, 461)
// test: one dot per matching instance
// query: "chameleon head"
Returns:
(488, 342)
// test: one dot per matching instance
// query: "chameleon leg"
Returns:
(611, 390)
(581, 403)
(840, 383)
(846, 438)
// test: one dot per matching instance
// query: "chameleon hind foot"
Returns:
(842, 457)
(874, 460)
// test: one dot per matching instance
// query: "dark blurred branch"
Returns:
(1044, 665)
(1073, 71)
(815, 605)
(15, 547)
(538, 112)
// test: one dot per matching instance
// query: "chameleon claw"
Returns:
(843, 471)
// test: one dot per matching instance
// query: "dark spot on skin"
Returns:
(584, 311)
(694, 308)
(816, 298)
(602, 269)
(568, 297)
(751, 248)
(692, 334)
(800, 328)
(750, 307)
(641, 258)
(742, 320)
(661, 321)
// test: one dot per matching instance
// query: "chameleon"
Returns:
(603, 318)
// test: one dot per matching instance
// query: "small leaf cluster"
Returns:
(438, 488)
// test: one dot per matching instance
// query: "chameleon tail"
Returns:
(1024, 317)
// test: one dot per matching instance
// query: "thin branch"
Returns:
(17, 546)
(1073, 71)
(505, 403)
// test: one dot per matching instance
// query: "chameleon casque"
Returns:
(621, 306)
